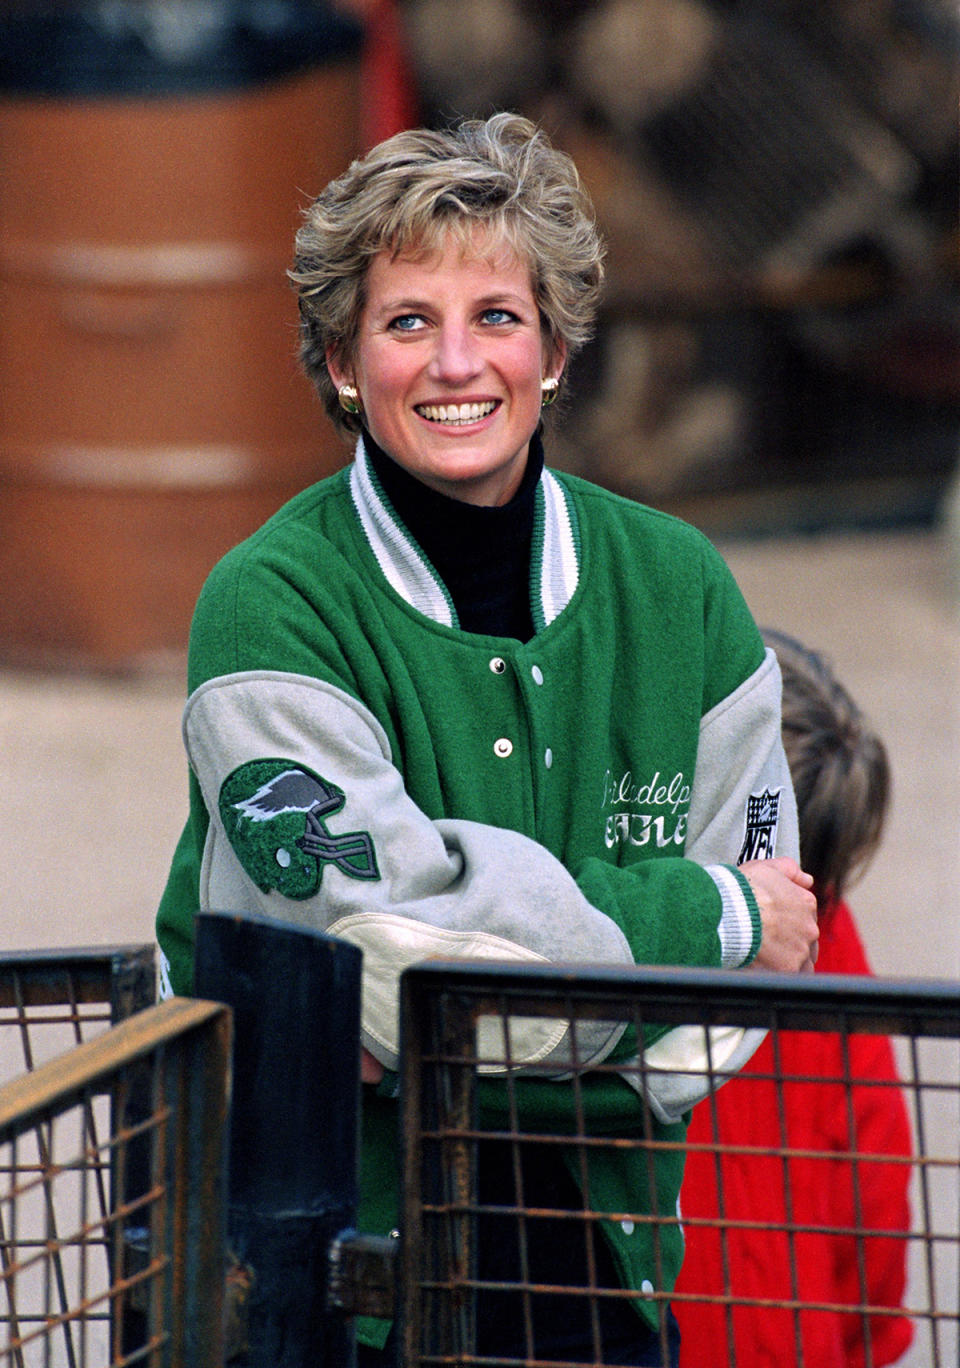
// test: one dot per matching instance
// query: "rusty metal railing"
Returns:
(114, 1243)
(459, 1021)
(52, 1000)
(95, 1270)
(113, 1237)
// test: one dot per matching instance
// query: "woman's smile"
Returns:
(457, 415)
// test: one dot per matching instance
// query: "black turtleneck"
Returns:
(482, 554)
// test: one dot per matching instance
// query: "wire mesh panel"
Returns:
(524, 1194)
(95, 1270)
(52, 1000)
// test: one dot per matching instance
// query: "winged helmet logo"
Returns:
(275, 815)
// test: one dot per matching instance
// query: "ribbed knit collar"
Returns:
(468, 542)
(481, 552)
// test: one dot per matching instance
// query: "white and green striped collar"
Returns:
(555, 556)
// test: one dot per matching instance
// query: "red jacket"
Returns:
(821, 1191)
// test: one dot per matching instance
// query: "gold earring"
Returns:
(549, 390)
(349, 399)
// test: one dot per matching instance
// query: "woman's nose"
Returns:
(456, 356)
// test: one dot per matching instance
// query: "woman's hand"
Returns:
(788, 915)
(371, 1070)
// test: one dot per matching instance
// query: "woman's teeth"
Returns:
(455, 413)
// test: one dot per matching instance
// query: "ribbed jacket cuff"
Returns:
(740, 928)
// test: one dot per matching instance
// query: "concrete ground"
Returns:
(884, 609)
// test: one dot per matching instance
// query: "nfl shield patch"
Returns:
(760, 831)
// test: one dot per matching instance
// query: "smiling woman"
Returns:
(538, 718)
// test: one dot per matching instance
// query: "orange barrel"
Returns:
(152, 411)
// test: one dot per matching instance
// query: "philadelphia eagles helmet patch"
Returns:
(760, 831)
(275, 815)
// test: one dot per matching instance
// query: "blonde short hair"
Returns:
(838, 764)
(409, 192)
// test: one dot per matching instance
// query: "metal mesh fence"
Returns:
(498, 1246)
(521, 1182)
(111, 1201)
(52, 1000)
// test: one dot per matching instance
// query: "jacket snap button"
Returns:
(498, 664)
(503, 747)
(548, 757)
(537, 674)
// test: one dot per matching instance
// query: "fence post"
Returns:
(295, 997)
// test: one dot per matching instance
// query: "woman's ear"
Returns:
(554, 360)
(339, 374)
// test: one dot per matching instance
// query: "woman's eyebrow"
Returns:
(408, 304)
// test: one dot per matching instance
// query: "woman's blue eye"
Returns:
(407, 322)
(498, 316)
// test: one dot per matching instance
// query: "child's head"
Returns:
(839, 767)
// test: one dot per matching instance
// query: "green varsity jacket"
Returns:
(362, 766)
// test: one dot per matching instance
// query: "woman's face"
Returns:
(448, 362)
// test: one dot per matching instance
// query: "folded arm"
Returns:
(310, 822)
